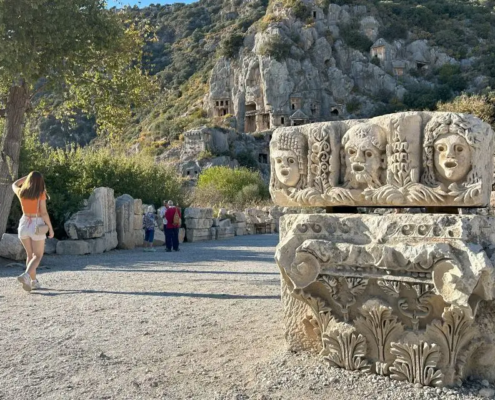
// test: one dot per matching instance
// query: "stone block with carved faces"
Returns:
(403, 295)
(405, 159)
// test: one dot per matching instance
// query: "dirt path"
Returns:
(203, 323)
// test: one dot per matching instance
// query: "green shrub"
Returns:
(354, 38)
(231, 45)
(225, 186)
(246, 159)
(450, 75)
(72, 174)
(276, 47)
(483, 106)
(353, 106)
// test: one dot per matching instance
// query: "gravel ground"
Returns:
(204, 323)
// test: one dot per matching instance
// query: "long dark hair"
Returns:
(33, 187)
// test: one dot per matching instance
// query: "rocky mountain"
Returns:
(249, 66)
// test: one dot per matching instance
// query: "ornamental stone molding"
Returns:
(404, 159)
(408, 296)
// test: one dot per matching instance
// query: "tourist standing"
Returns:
(33, 226)
(162, 212)
(174, 219)
(149, 229)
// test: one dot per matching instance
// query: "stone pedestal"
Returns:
(408, 296)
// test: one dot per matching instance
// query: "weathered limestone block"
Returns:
(11, 247)
(197, 235)
(159, 238)
(101, 245)
(124, 206)
(198, 213)
(102, 204)
(138, 207)
(225, 223)
(404, 295)
(138, 222)
(182, 235)
(51, 246)
(194, 223)
(84, 225)
(224, 232)
(403, 159)
(138, 237)
(74, 247)
(240, 231)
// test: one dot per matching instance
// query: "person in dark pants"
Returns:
(174, 218)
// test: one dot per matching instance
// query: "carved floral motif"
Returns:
(346, 350)
(416, 363)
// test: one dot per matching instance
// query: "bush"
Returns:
(483, 106)
(354, 38)
(246, 159)
(450, 75)
(222, 186)
(231, 45)
(276, 47)
(425, 98)
(72, 174)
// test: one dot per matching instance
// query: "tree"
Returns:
(88, 55)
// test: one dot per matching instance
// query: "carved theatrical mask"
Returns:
(364, 156)
(287, 167)
(452, 157)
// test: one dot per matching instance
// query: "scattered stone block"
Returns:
(84, 225)
(159, 239)
(102, 204)
(138, 222)
(198, 235)
(225, 223)
(11, 247)
(73, 247)
(138, 207)
(193, 223)
(124, 206)
(51, 246)
(224, 232)
(198, 213)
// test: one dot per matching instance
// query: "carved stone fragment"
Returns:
(416, 363)
(403, 159)
(396, 294)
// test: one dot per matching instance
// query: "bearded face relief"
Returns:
(287, 167)
(452, 157)
(364, 156)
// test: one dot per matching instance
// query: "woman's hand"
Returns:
(51, 234)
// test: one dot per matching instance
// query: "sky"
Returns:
(144, 3)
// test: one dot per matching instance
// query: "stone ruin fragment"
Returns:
(407, 295)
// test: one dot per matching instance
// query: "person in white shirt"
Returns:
(162, 210)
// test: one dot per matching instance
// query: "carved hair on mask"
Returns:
(289, 160)
(364, 156)
(450, 146)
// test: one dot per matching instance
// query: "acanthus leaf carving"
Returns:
(416, 363)
(455, 337)
(346, 350)
(381, 327)
(321, 311)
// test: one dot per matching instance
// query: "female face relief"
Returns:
(287, 167)
(452, 157)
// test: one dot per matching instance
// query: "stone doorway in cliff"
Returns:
(265, 122)
(250, 123)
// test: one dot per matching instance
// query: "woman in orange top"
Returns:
(31, 192)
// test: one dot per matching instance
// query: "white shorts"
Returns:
(27, 226)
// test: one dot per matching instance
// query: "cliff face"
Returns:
(294, 71)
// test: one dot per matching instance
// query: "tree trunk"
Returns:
(10, 148)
